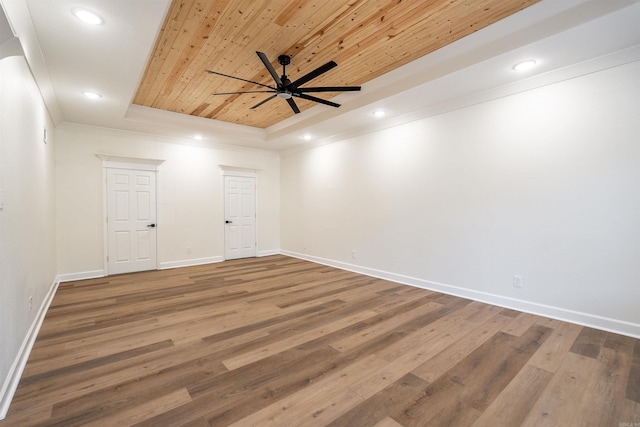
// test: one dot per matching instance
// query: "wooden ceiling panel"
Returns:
(367, 38)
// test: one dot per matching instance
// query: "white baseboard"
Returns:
(268, 253)
(70, 277)
(162, 266)
(585, 319)
(15, 372)
(189, 262)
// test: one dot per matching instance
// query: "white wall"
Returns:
(190, 199)
(543, 184)
(27, 217)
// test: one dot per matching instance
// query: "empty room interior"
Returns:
(304, 213)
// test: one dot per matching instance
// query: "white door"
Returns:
(131, 220)
(240, 217)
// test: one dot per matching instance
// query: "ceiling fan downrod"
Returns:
(283, 93)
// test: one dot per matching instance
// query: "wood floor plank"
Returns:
(551, 354)
(521, 324)
(240, 392)
(376, 408)
(381, 328)
(429, 340)
(443, 394)
(559, 403)
(292, 341)
(589, 342)
(277, 341)
(135, 391)
(387, 422)
(334, 390)
(144, 411)
(633, 384)
(73, 385)
(480, 378)
(435, 336)
(446, 359)
(604, 394)
(87, 361)
(422, 407)
(486, 383)
(630, 414)
(455, 414)
(525, 388)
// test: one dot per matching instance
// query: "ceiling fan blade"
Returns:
(238, 78)
(248, 91)
(329, 89)
(314, 99)
(315, 73)
(270, 68)
(293, 105)
(262, 102)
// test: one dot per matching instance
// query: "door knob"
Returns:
(151, 225)
(228, 222)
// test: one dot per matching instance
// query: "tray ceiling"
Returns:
(366, 38)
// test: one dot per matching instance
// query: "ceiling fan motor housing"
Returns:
(284, 60)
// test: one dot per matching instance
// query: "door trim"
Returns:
(112, 161)
(237, 172)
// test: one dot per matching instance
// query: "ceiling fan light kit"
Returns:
(285, 88)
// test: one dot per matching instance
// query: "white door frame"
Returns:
(237, 172)
(111, 161)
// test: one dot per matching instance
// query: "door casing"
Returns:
(240, 173)
(110, 161)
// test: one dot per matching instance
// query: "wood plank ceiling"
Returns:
(367, 38)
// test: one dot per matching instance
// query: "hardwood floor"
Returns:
(279, 341)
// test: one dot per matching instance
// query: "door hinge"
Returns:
(107, 258)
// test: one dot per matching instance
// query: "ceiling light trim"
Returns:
(93, 95)
(526, 65)
(87, 16)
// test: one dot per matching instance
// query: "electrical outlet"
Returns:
(353, 254)
(188, 249)
(30, 303)
(517, 281)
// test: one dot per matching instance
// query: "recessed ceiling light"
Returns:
(525, 65)
(87, 16)
(307, 137)
(91, 95)
(197, 137)
(379, 113)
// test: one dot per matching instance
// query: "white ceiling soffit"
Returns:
(67, 57)
(9, 44)
(5, 30)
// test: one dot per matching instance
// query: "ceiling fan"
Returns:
(286, 89)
